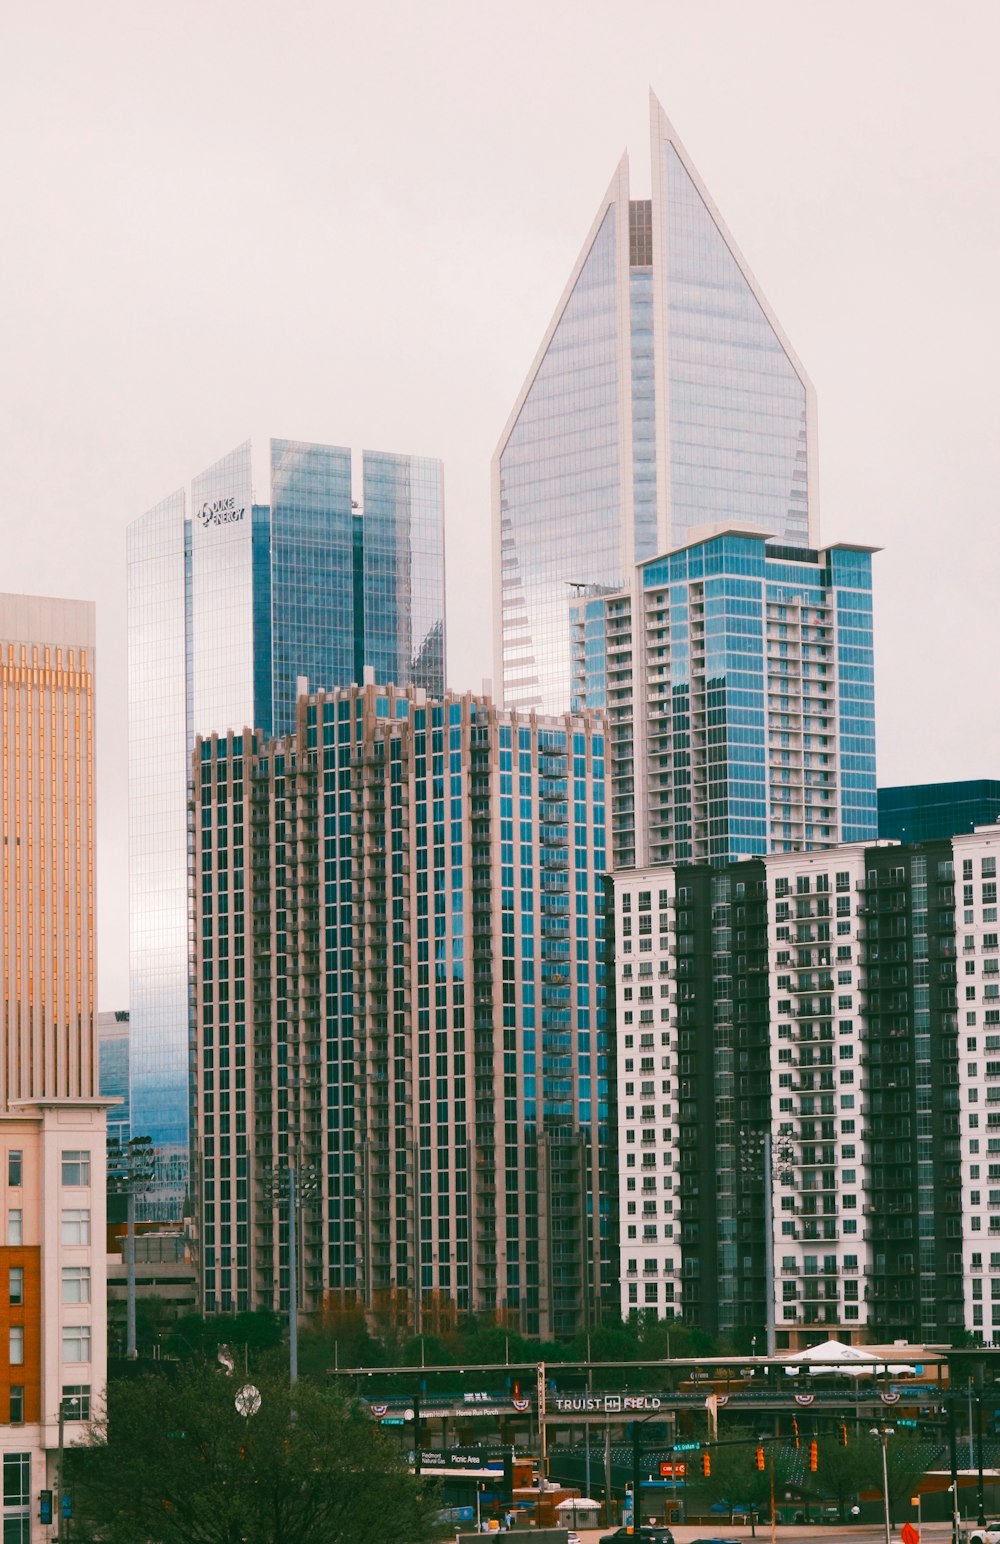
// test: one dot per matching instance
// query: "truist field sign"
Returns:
(608, 1404)
(220, 512)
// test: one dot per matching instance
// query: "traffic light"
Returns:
(45, 1507)
(795, 1431)
(706, 1464)
(843, 1433)
(813, 1456)
(760, 1456)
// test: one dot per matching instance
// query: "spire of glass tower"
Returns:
(664, 399)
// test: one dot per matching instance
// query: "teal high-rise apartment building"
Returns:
(234, 605)
(738, 680)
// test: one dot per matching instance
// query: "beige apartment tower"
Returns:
(399, 985)
(52, 1121)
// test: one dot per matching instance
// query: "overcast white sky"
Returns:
(352, 222)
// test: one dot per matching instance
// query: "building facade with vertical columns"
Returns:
(848, 1003)
(399, 988)
(52, 1119)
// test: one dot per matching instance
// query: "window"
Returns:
(15, 1225)
(76, 1225)
(76, 1284)
(76, 1401)
(15, 1286)
(16, 1482)
(16, 1342)
(76, 1168)
(16, 1403)
(76, 1342)
(15, 1167)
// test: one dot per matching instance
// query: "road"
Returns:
(831, 1533)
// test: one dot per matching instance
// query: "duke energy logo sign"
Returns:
(220, 512)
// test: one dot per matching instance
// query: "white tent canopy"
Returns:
(832, 1356)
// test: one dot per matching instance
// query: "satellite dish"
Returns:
(247, 1401)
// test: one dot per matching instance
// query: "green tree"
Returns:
(735, 1477)
(246, 1334)
(171, 1461)
(907, 1461)
(844, 1472)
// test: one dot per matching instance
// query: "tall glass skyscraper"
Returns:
(664, 398)
(232, 603)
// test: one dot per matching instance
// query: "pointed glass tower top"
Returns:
(665, 399)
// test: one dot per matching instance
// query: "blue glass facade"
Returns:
(231, 603)
(742, 719)
(402, 570)
(925, 812)
(850, 580)
(664, 398)
(312, 618)
(113, 1076)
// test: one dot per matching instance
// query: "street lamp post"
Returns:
(68, 1409)
(980, 1502)
(296, 1187)
(762, 1153)
(953, 1462)
(884, 1433)
(637, 1470)
(130, 1172)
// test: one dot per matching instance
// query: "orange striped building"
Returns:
(53, 1336)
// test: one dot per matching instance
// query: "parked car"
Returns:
(649, 1533)
(988, 1535)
